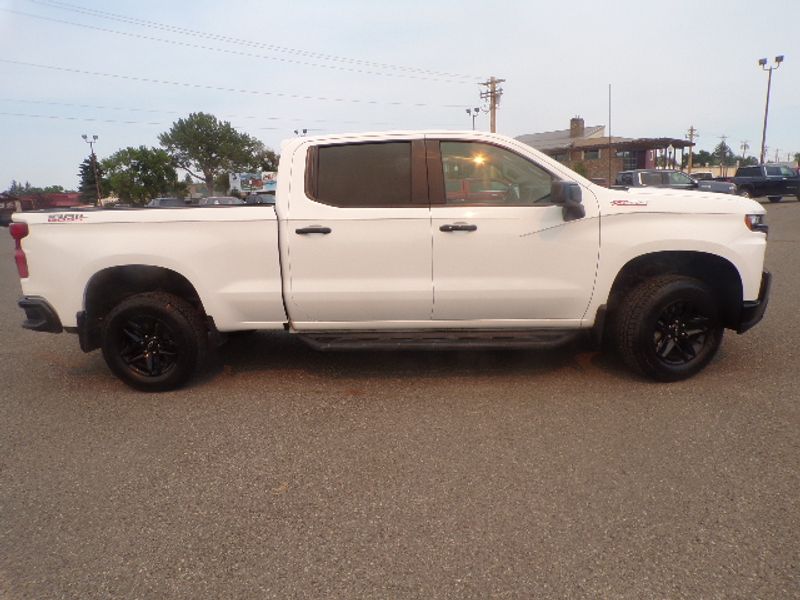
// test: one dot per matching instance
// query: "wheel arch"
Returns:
(110, 286)
(717, 272)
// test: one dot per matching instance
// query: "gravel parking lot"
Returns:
(286, 473)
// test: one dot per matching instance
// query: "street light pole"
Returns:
(763, 63)
(91, 143)
(473, 113)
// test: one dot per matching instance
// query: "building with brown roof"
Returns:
(590, 152)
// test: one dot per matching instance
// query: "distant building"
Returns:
(589, 151)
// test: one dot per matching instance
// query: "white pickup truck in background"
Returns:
(403, 240)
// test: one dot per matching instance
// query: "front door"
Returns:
(502, 253)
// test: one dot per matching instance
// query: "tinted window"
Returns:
(482, 174)
(750, 172)
(364, 175)
(677, 178)
(774, 171)
(652, 178)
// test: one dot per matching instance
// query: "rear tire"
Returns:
(775, 198)
(745, 193)
(155, 341)
(668, 328)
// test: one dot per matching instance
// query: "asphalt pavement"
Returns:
(287, 473)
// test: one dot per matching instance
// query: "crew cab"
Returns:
(773, 181)
(403, 240)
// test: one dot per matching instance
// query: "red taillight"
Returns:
(19, 231)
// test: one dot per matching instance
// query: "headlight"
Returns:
(756, 223)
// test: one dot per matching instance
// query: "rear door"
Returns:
(359, 236)
(502, 253)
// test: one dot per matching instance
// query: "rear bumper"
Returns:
(753, 312)
(39, 315)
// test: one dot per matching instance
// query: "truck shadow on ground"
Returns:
(267, 352)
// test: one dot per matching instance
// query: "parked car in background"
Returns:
(220, 200)
(8, 206)
(772, 181)
(166, 202)
(261, 198)
(701, 175)
(668, 178)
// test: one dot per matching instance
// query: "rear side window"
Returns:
(361, 175)
(652, 179)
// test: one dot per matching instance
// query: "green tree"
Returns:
(140, 174)
(206, 147)
(724, 154)
(704, 158)
(797, 158)
(87, 186)
(17, 189)
(268, 160)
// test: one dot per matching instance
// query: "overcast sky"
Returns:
(355, 65)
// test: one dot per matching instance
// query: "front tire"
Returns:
(154, 342)
(775, 198)
(669, 327)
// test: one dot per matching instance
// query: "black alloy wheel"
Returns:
(154, 341)
(681, 333)
(148, 346)
(668, 327)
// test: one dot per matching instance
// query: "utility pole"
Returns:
(492, 94)
(777, 151)
(763, 63)
(690, 136)
(91, 143)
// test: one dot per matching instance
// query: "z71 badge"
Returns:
(66, 218)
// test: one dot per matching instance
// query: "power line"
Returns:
(86, 119)
(227, 89)
(162, 124)
(242, 42)
(241, 53)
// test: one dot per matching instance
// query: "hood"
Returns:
(650, 200)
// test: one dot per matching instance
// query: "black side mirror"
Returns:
(567, 194)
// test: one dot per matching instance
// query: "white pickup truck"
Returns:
(403, 240)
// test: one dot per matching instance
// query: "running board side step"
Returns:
(439, 339)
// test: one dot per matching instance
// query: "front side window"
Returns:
(486, 175)
(362, 175)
